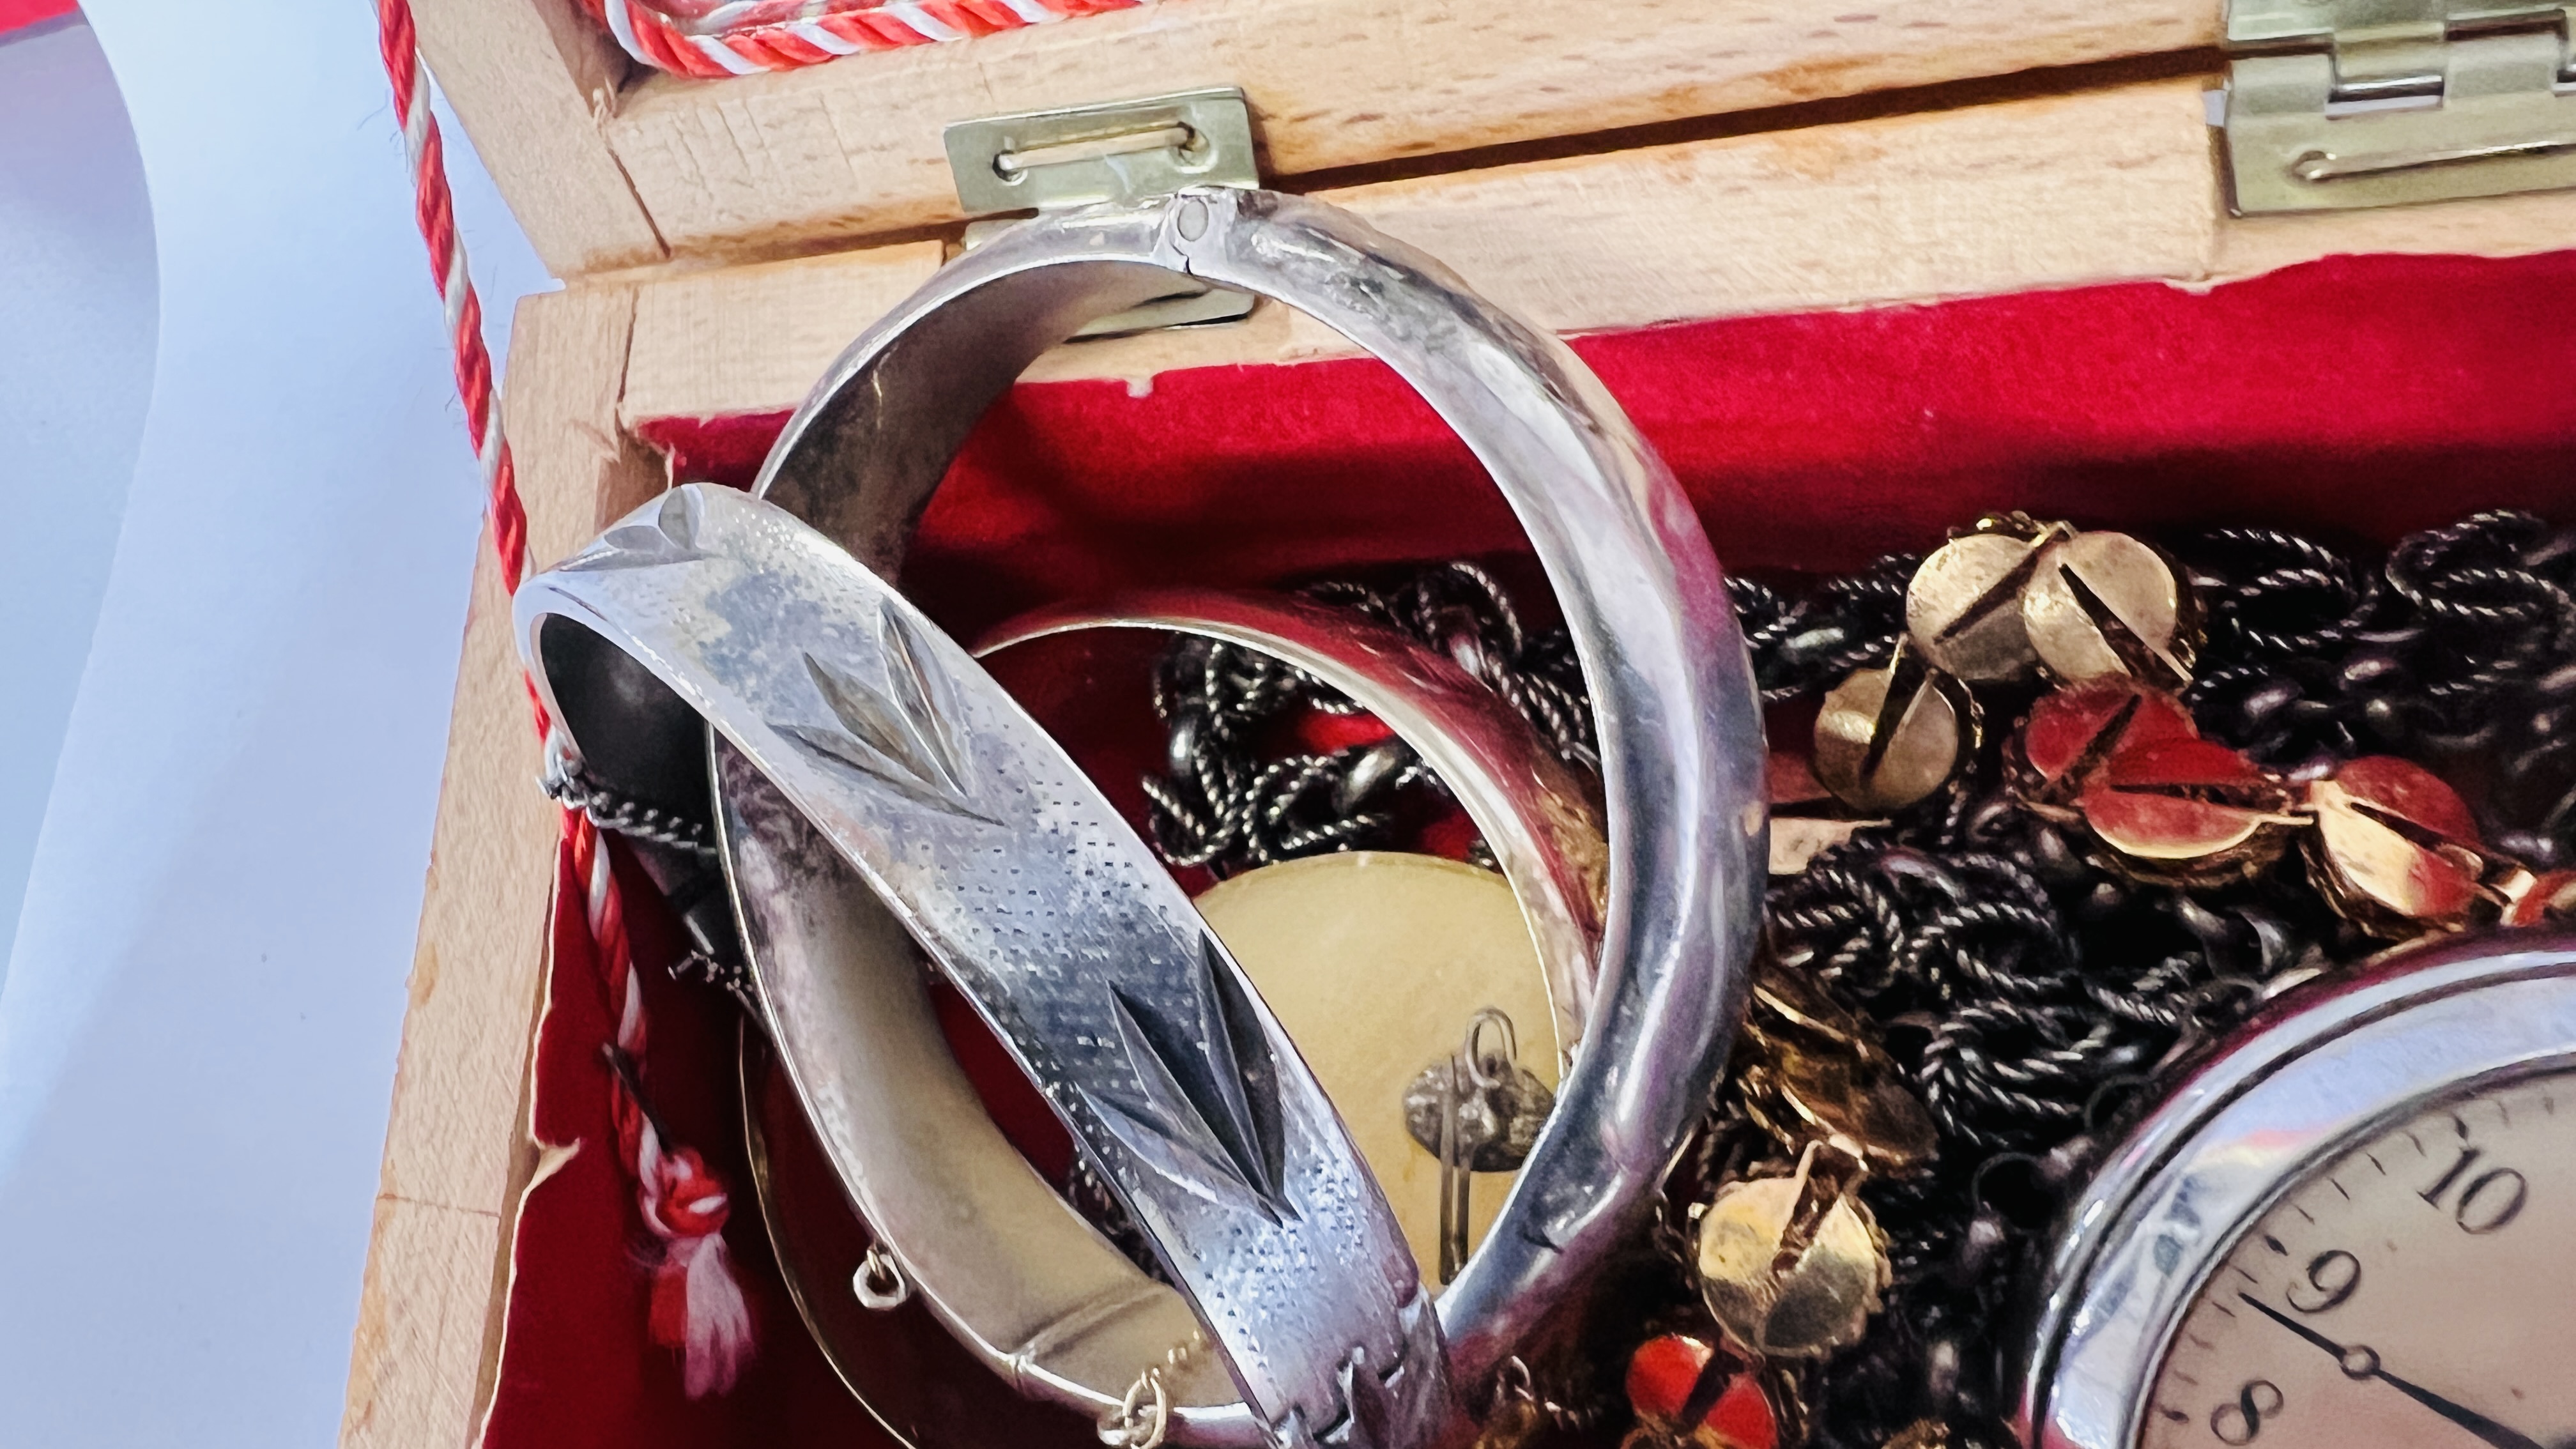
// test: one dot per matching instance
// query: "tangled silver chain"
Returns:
(570, 784)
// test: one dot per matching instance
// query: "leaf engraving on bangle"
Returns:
(671, 538)
(1210, 1114)
(898, 733)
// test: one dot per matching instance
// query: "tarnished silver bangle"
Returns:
(1678, 716)
(1681, 750)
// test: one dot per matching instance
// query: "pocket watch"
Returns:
(2353, 1224)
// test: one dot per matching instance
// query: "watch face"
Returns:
(2417, 1288)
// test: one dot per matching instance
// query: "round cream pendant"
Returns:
(1377, 963)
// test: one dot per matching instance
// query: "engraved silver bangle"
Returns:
(1025, 1289)
(878, 789)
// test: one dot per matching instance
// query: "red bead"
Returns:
(1661, 1376)
(2183, 761)
(2186, 805)
(2408, 790)
(1742, 1418)
(2066, 725)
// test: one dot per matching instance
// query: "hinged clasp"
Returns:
(1119, 151)
(2354, 103)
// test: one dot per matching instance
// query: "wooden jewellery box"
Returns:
(1859, 271)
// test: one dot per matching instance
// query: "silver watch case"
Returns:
(2323, 1066)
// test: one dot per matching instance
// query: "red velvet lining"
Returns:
(577, 1369)
(2357, 395)
(2374, 394)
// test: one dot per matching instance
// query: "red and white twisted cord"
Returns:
(822, 30)
(697, 1303)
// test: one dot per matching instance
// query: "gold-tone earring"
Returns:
(1479, 1111)
(1890, 735)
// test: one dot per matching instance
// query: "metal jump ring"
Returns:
(1490, 1069)
(1135, 1423)
(878, 1282)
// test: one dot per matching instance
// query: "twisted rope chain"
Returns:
(2028, 989)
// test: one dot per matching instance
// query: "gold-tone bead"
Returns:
(2395, 849)
(2188, 812)
(1814, 1073)
(1792, 1267)
(1887, 737)
(2539, 898)
(1963, 606)
(2106, 604)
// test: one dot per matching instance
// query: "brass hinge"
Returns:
(1118, 151)
(2350, 103)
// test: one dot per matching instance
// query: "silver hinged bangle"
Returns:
(1677, 713)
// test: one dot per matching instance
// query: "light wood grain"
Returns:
(2107, 186)
(2048, 193)
(457, 1151)
(2498, 226)
(527, 77)
(2041, 193)
(415, 1373)
(853, 148)
(737, 339)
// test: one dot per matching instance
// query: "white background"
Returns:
(205, 989)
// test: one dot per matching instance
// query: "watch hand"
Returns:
(2292, 1324)
(2360, 1362)
(2460, 1414)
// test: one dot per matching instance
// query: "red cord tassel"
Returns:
(697, 1306)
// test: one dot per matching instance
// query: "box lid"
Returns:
(610, 166)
